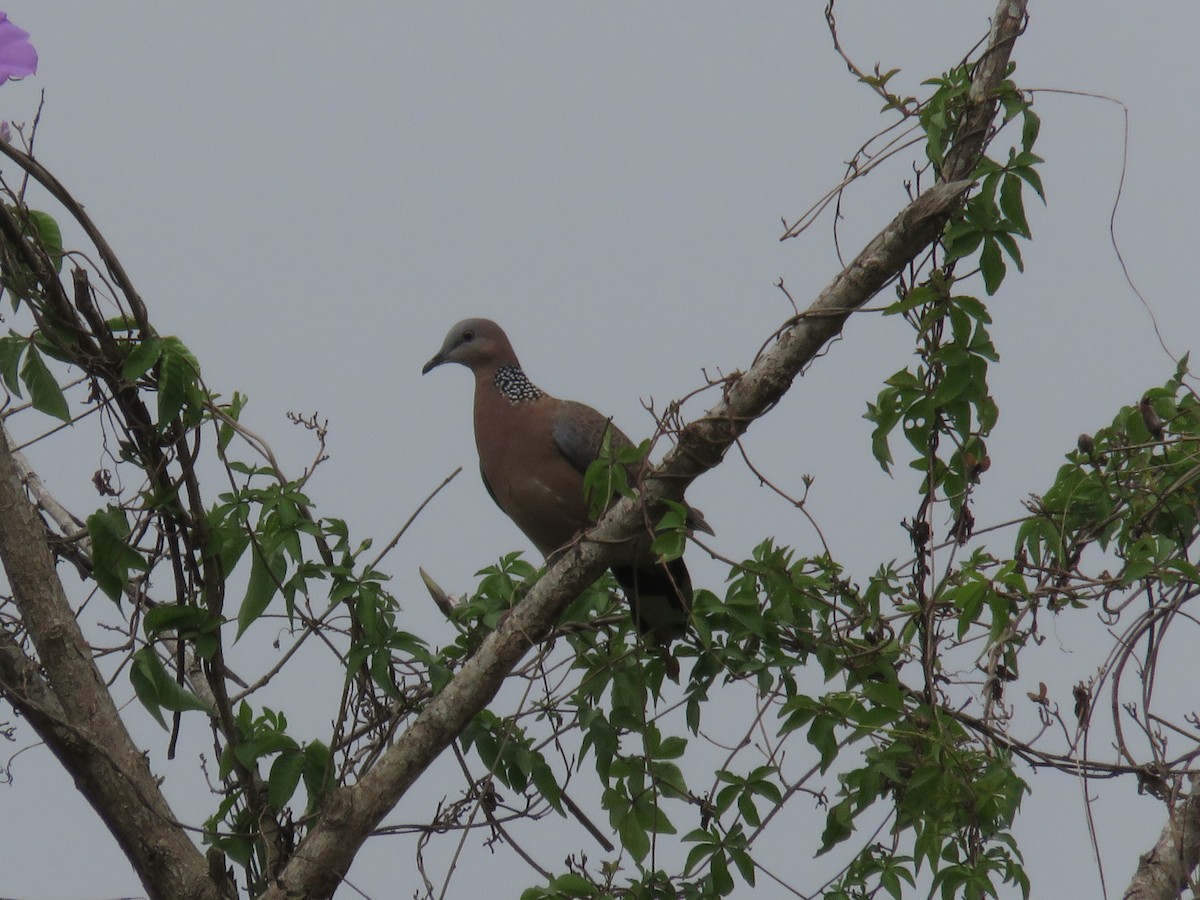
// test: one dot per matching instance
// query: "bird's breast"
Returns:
(531, 480)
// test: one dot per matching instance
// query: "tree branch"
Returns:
(56, 189)
(1162, 874)
(72, 711)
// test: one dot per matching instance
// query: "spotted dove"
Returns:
(533, 452)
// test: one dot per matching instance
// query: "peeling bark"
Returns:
(1163, 873)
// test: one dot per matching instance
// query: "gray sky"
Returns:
(311, 194)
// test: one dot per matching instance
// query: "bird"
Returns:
(534, 450)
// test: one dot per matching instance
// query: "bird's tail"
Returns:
(660, 597)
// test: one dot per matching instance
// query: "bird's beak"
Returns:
(433, 363)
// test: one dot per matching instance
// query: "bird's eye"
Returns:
(468, 336)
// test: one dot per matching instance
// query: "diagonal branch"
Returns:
(352, 812)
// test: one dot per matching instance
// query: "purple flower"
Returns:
(17, 56)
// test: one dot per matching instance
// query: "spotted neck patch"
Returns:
(515, 386)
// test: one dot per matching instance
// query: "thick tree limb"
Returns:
(1008, 22)
(1163, 873)
(72, 711)
(351, 813)
(22, 683)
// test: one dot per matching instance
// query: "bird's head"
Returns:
(478, 344)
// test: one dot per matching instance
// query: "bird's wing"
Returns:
(579, 434)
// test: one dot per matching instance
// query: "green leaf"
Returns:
(672, 747)
(227, 540)
(991, 266)
(745, 864)
(285, 775)
(11, 348)
(1030, 128)
(178, 699)
(381, 673)
(147, 692)
(44, 392)
(961, 241)
(1011, 247)
(141, 359)
(1011, 204)
(822, 735)
(634, 837)
(192, 623)
(265, 577)
(1024, 160)
(607, 477)
(571, 884)
(233, 409)
(49, 236)
(544, 780)
(177, 380)
(174, 617)
(318, 774)
(672, 534)
(917, 296)
(718, 870)
(156, 688)
(112, 556)
(839, 825)
(1031, 178)
(669, 778)
(266, 743)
